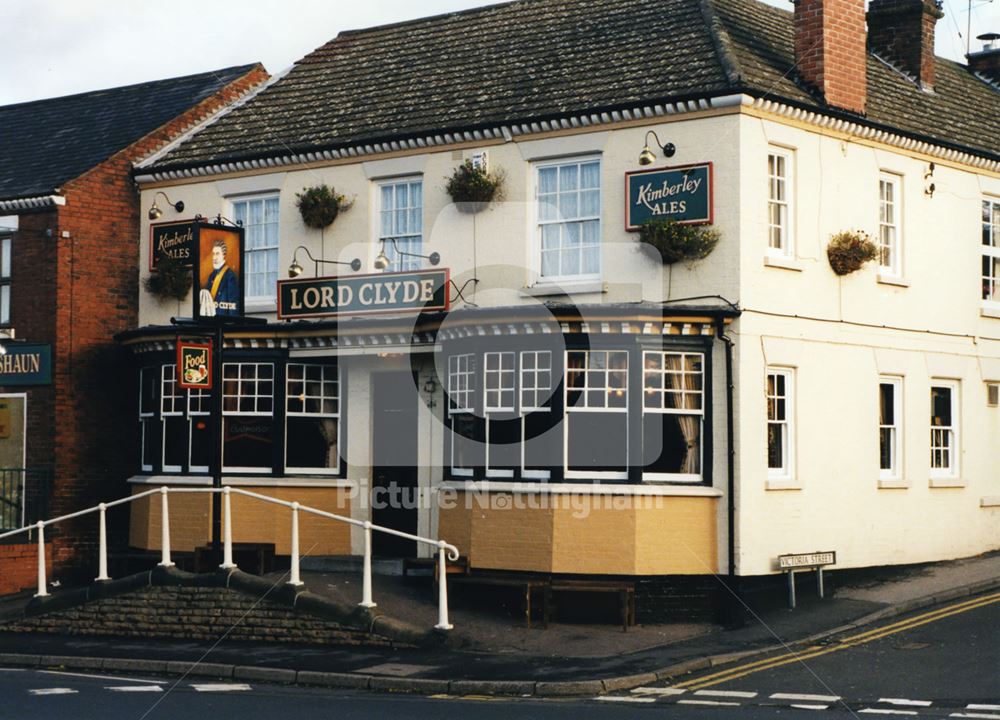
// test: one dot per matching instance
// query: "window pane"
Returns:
(887, 405)
(246, 442)
(775, 446)
(941, 406)
(312, 443)
(597, 441)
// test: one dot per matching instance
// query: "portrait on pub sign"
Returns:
(219, 272)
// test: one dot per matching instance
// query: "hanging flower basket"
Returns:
(849, 250)
(319, 205)
(472, 188)
(677, 242)
(171, 280)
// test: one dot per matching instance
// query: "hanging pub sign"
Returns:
(396, 292)
(218, 271)
(25, 364)
(194, 365)
(682, 193)
(172, 239)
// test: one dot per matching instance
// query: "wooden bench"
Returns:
(256, 558)
(529, 583)
(457, 567)
(624, 588)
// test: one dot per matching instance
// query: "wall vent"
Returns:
(993, 394)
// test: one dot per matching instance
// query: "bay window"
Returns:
(247, 410)
(461, 410)
(148, 379)
(596, 422)
(175, 425)
(672, 415)
(312, 418)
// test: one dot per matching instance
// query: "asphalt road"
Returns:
(943, 662)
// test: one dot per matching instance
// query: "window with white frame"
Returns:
(779, 202)
(259, 216)
(673, 408)
(148, 381)
(568, 219)
(596, 421)
(501, 432)
(780, 428)
(247, 409)
(461, 411)
(890, 427)
(889, 228)
(538, 451)
(991, 251)
(6, 241)
(312, 418)
(944, 429)
(200, 436)
(175, 427)
(400, 222)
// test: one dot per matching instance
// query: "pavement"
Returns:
(562, 660)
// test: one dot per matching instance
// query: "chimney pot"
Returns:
(987, 61)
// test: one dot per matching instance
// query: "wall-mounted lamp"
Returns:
(382, 260)
(648, 157)
(155, 213)
(295, 269)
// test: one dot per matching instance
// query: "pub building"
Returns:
(549, 378)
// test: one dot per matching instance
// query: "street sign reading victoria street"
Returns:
(417, 291)
(682, 193)
(807, 560)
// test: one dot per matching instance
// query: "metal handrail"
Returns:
(446, 551)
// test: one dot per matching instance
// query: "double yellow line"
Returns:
(843, 644)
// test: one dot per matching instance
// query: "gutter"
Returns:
(38, 202)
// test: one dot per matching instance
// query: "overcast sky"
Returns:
(61, 47)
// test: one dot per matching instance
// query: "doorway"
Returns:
(394, 462)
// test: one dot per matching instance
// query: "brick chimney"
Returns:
(830, 50)
(987, 61)
(902, 32)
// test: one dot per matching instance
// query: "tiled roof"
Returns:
(543, 59)
(46, 143)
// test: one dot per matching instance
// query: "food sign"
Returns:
(194, 365)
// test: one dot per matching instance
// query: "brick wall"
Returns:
(830, 50)
(75, 285)
(903, 31)
(194, 613)
(20, 566)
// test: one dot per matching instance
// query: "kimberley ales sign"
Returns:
(682, 193)
(363, 294)
(174, 239)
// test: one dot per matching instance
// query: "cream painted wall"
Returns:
(838, 347)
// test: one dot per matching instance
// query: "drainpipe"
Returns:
(731, 579)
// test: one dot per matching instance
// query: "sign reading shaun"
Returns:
(218, 271)
(194, 365)
(25, 364)
(682, 193)
(363, 294)
(171, 239)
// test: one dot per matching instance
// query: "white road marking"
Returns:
(54, 691)
(625, 698)
(220, 687)
(806, 698)
(100, 677)
(902, 701)
(658, 691)
(975, 715)
(134, 688)
(975, 706)
(810, 707)
(11, 669)
(714, 703)
(882, 711)
(726, 693)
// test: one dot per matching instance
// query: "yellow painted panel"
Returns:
(190, 521)
(258, 521)
(679, 538)
(455, 525)
(594, 534)
(505, 537)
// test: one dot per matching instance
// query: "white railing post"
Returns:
(443, 623)
(227, 534)
(366, 576)
(294, 580)
(164, 529)
(102, 560)
(42, 592)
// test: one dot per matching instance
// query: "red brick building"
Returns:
(69, 234)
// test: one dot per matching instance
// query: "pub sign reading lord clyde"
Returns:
(682, 193)
(418, 291)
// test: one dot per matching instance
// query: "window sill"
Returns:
(782, 484)
(990, 311)
(542, 289)
(947, 482)
(990, 501)
(893, 280)
(170, 480)
(581, 488)
(286, 481)
(893, 484)
(782, 262)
